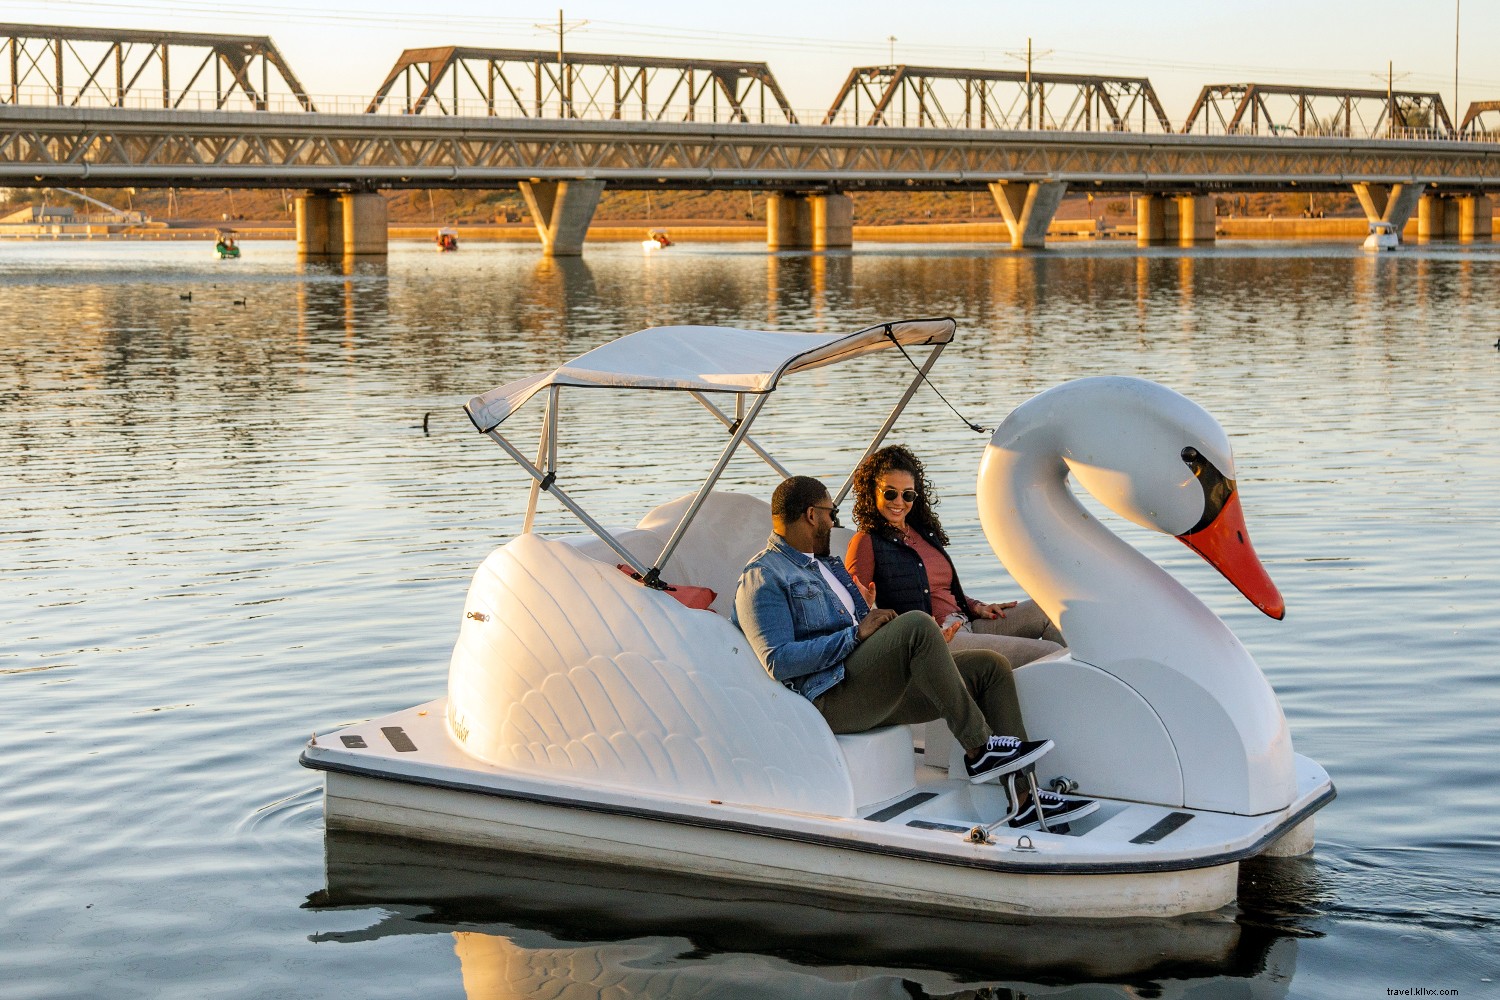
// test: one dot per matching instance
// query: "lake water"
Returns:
(225, 527)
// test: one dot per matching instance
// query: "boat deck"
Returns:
(931, 820)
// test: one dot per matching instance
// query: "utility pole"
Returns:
(1456, 110)
(1390, 105)
(564, 91)
(1034, 114)
(892, 40)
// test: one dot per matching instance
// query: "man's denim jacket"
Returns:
(795, 623)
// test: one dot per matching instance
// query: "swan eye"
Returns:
(1217, 488)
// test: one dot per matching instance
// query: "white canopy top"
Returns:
(704, 359)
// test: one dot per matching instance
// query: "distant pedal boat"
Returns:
(592, 714)
(225, 248)
(1383, 236)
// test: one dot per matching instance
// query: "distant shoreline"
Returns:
(705, 231)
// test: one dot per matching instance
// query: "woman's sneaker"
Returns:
(1003, 754)
(1057, 810)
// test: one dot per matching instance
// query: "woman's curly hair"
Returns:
(895, 458)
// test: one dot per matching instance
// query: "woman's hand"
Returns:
(868, 593)
(993, 610)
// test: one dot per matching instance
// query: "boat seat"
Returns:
(728, 530)
(879, 762)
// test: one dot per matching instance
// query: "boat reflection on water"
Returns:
(576, 932)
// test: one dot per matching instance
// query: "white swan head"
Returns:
(1154, 457)
(1168, 678)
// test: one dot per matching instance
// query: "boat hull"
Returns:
(404, 776)
(373, 805)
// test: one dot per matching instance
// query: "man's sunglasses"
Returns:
(908, 496)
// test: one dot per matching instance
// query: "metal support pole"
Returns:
(890, 421)
(569, 503)
(654, 576)
(733, 425)
(546, 451)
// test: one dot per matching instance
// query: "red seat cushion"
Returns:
(697, 598)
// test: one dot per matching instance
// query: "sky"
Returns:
(346, 47)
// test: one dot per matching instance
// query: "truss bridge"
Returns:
(933, 97)
(105, 108)
(86, 67)
(1258, 108)
(526, 83)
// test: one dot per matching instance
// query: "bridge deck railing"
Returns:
(347, 104)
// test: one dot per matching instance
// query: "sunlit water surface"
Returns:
(226, 527)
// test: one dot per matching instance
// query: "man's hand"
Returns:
(872, 622)
(950, 630)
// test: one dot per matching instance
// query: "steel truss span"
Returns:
(1481, 122)
(82, 67)
(935, 97)
(523, 83)
(1267, 109)
(104, 147)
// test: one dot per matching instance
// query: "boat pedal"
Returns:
(892, 811)
(1162, 827)
(927, 824)
(398, 739)
(354, 742)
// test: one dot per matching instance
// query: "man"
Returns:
(813, 630)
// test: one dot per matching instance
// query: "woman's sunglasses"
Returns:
(907, 496)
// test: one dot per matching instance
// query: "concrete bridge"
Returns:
(98, 135)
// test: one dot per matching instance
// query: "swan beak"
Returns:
(1225, 544)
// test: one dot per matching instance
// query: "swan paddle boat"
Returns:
(602, 707)
(1383, 236)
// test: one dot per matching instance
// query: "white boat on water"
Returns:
(1383, 236)
(591, 714)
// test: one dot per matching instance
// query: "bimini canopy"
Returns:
(697, 360)
(705, 359)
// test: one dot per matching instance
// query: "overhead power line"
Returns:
(602, 33)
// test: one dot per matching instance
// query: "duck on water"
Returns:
(594, 714)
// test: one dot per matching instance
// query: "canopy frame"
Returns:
(544, 470)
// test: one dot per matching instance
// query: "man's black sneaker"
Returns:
(1057, 809)
(1004, 754)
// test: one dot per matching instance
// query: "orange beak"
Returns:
(1225, 544)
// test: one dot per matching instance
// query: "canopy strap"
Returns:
(891, 336)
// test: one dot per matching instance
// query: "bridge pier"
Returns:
(365, 220)
(1150, 219)
(347, 224)
(832, 221)
(1455, 217)
(320, 225)
(1476, 217)
(789, 221)
(1028, 208)
(1196, 219)
(1183, 219)
(1391, 203)
(798, 221)
(1437, 217)
(561, 211)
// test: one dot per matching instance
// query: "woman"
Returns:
(899, 548)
